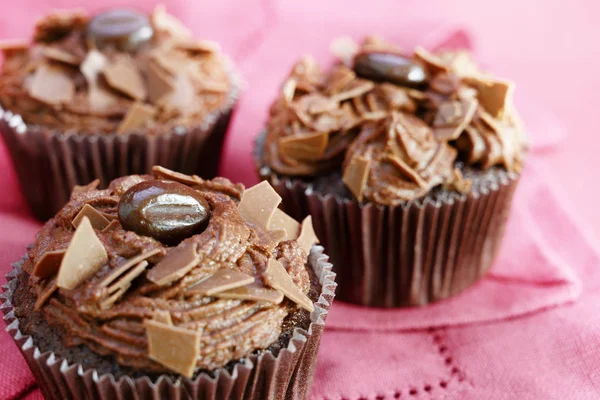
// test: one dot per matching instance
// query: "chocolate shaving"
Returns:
(83, 258)
(281, 220)
(258, 204)
(175, 348)
(98, 220)
(120, 287)
(289, 90)
(304, 147)
(123, 75)
(222, 280)
(137, 116)
(91, 67)
(356, 88)
(160, 84)
(48, 264)
(356, 175)
(51, 85)
(45, 294)
(452, 118)
(165, 173)
(433, 62)
(163, 21)
(11, 45)
(307, 237)
(253, 292)
(126, 266)
(163, 316)
(85, 188)
(277, 277)
(344, 48)
(178, 262)
(59, 55)
(114, 224)
(198, 46)
(495, 96)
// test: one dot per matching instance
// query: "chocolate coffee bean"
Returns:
(124, 29)
(389, 67)
(167, 211)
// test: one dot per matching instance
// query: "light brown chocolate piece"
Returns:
(14, 45)
(163, 21)
(435, 63)
(356, 175)
(277, 277)
(304, 147)
(51, 85)
(91, 67)
(307, 237)
(289, 90)
(164, 173)
(160, 84)
(83, 258)
(222, 280)
(123, 75)
(174, 265)
(281, 220)
(495, 96)
(253, 292)
(98, 220)
(120, 287)
(173, 347)
(452, 118)
(137, 116)
(86, 188)
(258, 204)
(48, 264)
(126, 266)
(198, 46)
(45, 294)
(163, 316)
(114, 224)
(59, 55)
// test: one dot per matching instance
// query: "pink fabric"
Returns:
(529, 329)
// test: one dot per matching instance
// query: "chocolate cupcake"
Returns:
(171, 286)
(407, 163)
(98, 97)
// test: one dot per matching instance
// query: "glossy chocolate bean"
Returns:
(390, 67)
(124, 29)
(167, 211)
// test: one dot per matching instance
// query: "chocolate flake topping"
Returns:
(258, 204)
(281, 220)
(51, 85)
(48, 264)
(307, 237)
(174, 347)
(277, 277)
(123, 75)
(96, 218)
(253, 292)
(136, 117)
(162, 316)
(222, 280)
(174, 265)
(393, 136)
(83, 258)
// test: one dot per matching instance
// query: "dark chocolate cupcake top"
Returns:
(118, 71)
(396, 124)
(170, 273)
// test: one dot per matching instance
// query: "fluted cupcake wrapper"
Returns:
(264, 376)
(50, 163)
(408, 255)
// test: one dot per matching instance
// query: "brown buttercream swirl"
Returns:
(232, 329)
(415, 134)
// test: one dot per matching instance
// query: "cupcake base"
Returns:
(284, 371)
(413, 254)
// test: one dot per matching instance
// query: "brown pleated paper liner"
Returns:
(289, 375)
(50, 163)
(408, 255)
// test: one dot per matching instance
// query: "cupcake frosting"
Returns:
(396, 124)
(118, 71)
(217, 295)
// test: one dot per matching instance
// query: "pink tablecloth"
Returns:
(530, 329)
